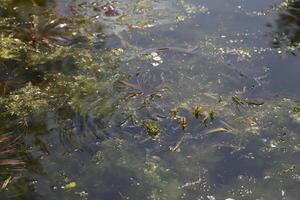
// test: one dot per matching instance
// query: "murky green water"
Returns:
(141, 99)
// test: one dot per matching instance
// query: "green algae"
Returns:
(11, 48)
(151, 128)
(295, 113)
(26, 101)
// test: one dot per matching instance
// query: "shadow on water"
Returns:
(285, 39)
(287, 26)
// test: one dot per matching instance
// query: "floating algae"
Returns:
(151, 127)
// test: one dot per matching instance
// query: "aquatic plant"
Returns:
(42, 34)
(147, 85)
(11, 161)
(151, 128)
(94, 104)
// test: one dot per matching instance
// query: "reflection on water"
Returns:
(123, 100)
(287, 26)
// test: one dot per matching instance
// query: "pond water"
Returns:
(143, 99)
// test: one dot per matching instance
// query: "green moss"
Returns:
(151, 128)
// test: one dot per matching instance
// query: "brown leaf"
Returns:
(7, 151)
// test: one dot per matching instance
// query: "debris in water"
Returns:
(176, 147)
(216, 130)
(183, 123)
(197, 111)
(173, 112)
(69, 185)
(211, 197)
(237, 100)
(6, 182)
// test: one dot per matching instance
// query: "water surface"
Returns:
(189, 99)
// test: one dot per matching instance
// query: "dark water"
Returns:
(217, 80)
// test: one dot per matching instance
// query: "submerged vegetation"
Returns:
(287, 29)
(135, 100)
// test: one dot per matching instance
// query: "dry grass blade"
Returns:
(11, 162)
(8, 147)
(5, 138)
(216, 130)
(131, 85)
(6, 151)
(6, 182)
(176, 147)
